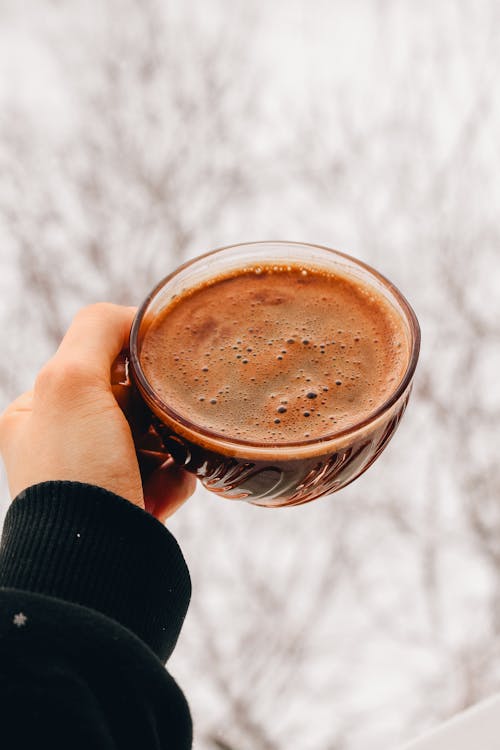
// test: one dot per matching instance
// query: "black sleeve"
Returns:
(93, 594)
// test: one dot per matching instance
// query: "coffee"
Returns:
(276, 354)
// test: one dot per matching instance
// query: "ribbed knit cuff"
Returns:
(86, 545)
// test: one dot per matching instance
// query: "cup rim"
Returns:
(230, 445)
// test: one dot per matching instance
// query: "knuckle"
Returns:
(9, 417)
(7, 422)
(6, 415)
(95, 310)
(60, 377)
(45, 378)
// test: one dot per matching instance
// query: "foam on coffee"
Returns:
(276, 354)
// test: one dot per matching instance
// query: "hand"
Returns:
(70, 426)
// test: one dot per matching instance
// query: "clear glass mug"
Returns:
(265, 474)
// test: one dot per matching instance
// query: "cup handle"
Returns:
(150, 449)
(120, 369)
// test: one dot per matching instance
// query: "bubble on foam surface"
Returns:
(279, 359)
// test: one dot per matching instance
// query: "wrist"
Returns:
(86, 545)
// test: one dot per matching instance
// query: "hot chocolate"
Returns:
(276, 355)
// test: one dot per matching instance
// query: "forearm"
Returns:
(94, 593)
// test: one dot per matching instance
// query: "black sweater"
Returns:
(93, 593)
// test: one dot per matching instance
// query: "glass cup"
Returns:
(265, 474)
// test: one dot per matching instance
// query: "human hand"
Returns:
(70, 426)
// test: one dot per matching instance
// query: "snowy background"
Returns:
(137, 133)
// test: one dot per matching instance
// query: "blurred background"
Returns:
(135, 134)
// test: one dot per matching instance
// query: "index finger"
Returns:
(96, 337)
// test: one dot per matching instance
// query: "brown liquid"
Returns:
(276, 355)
